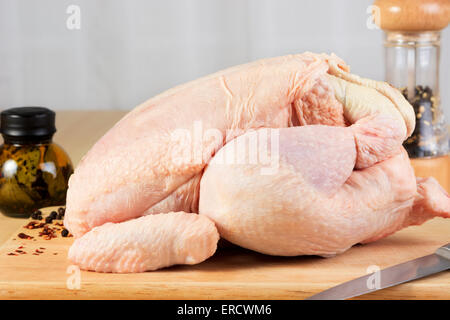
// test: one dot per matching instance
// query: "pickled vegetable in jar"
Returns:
(34, 170)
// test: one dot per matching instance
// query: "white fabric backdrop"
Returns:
(128, 51)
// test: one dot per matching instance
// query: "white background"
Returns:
(128, 51)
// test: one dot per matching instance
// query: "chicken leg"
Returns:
(315, 203)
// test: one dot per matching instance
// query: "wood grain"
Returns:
(412, 15)
(232, 273)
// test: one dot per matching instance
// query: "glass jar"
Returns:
(412, 65)
(34, 170)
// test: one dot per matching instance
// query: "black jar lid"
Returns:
(27, 124)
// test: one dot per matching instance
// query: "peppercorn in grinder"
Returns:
(412, 50)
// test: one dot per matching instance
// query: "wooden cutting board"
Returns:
(232, 273)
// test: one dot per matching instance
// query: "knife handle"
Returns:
(444, 251)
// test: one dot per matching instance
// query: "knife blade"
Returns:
(404, 272)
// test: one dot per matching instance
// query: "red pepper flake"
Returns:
(38, 251)
(12, 254)
(20, 247)
(24, 236)
(47, 233)
(35, 254)
(34, 225)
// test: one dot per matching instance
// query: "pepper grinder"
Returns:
(412, 30)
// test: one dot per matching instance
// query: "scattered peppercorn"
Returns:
(49, 230)
(37, 215)
(65, 233)
(61, 212)
(48, 219)
(53, 215)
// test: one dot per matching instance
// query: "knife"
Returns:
(404, 272)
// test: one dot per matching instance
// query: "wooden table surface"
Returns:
(78, 131)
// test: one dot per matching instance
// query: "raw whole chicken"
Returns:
(329, 169)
